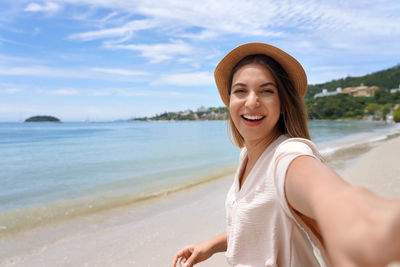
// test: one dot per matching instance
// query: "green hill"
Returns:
(347, 107)
(325, 108)
(385, 79)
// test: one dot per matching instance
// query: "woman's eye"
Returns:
(268, 91)
(237, 91)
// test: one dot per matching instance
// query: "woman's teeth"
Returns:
(252, 118)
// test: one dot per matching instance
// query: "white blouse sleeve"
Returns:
(286, 152)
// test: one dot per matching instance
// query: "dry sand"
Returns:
(378, 170)
(150, 233)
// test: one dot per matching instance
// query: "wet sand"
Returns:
(149, 233)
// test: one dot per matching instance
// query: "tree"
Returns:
(385, 110)
(372, 108)
(396, 115)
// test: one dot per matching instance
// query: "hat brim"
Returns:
(292, 67)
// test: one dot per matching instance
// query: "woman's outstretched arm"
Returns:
(358, 227)
(198, 252)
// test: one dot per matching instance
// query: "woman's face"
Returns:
(254, 102)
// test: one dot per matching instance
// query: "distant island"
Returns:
(42, 119)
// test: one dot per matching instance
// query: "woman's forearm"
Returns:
(360, 228)
(219, 243)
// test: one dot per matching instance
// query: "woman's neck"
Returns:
(257, 147)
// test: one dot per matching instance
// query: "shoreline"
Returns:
(378, 171)
(338, 153)
(18, 221)
(149, 233)
(146, 227)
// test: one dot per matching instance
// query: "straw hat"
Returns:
(290, 65)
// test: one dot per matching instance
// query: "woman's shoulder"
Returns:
(296, 145)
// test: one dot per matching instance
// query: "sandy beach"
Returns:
(149, 233)
(378, 170)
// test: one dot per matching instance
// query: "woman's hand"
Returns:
(193, 254)
(198, 252)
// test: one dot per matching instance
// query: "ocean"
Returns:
(52, 171)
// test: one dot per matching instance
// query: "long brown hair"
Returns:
(293, 118)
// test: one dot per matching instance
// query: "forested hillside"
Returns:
(386, 79)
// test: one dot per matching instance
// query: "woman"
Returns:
(286, 207)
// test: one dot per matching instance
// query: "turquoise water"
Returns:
(62, 168)
(44, 162)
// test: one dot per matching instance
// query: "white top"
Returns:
(261, 228)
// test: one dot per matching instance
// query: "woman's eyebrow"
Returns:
(267, 84)
(238, 84)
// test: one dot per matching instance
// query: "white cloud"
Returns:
(264, 19)
(65, 92)
(201, 36)
(8, 59)
(126, 31)
(315, 32)
(10, 90)
(7, 41)
(158, 52)
(109, 17)
(188, 79)
(40, 71)
(319, 31)
(123, 72)
(211, 17)
(83, 73)
(100, 92)
(156, 94)
(58, 92)
(47, 7)
(6, 108)
(33, 7)
(134, 92)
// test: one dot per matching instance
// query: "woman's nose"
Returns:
(252, 100)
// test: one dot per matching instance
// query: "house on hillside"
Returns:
(394, 90)
(185, 113)
(326, 93)
(201, 109)
(361, 90)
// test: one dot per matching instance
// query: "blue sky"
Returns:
(105, 60)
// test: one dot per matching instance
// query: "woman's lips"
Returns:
(252, 120)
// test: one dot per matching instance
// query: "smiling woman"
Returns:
(293, 118)
(254, 100)
(286, 207)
